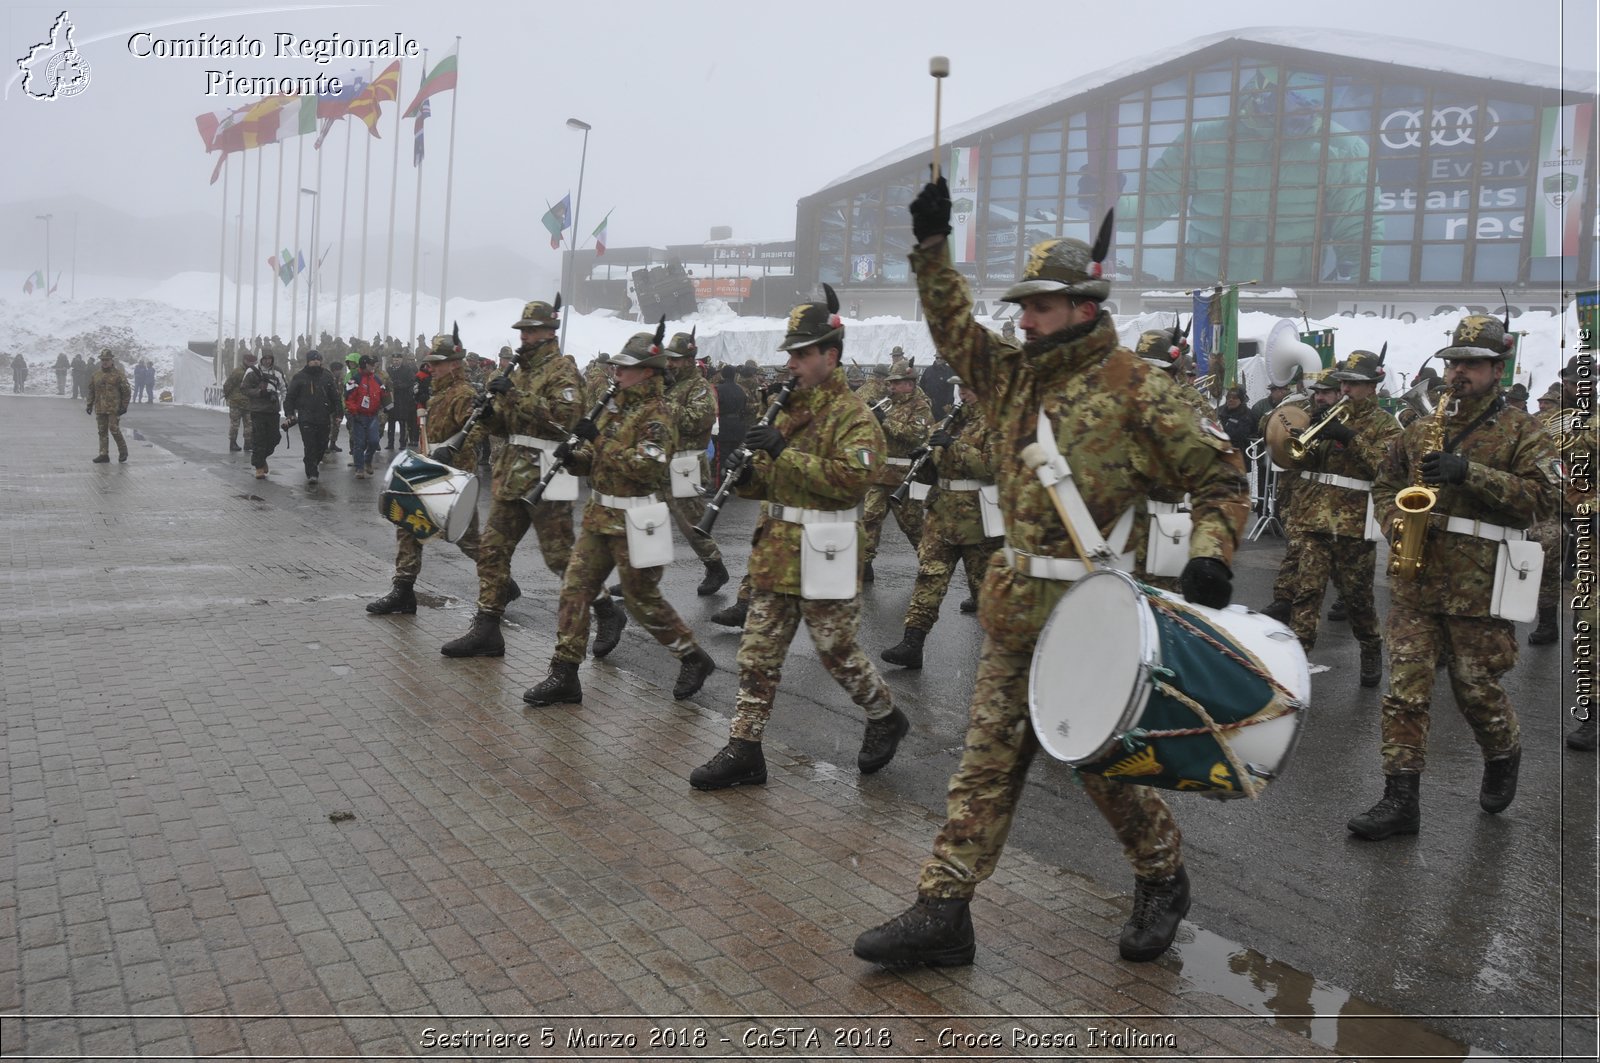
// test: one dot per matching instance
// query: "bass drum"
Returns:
(428, 498)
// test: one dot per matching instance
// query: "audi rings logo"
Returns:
(1448, 127)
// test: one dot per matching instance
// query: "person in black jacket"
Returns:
(733, 414)
(263, 389)
(403, 402)
(312, 401)
(1237, 419)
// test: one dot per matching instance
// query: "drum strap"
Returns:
(1056, 475)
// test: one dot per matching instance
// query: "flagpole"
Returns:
(222, 268)
(314, 282)
(277, 241)
(344, 210)
(449, 182)
(73, 292)
(416, 224)
(238, 269)
(255, 251)
(577, 209)
(394, 194)
(294, 259)
(366, 195)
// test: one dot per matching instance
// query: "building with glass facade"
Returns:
(1349, 168)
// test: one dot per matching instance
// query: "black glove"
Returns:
(441, 452)
(745, 473)
(563, 455)
(500, 385)
(941, 439)
(930, 211)
(1441, 468)
(1207, 581)
(880, 412)
(89, 409)
(585, 430)
(767, 438)
(1339, 432)
(916, 454)
(123, 412)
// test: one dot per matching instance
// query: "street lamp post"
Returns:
(46, 219)
(315, 281)
(577, 210)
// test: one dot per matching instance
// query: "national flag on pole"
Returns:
(333, 106)
(283, 264)
(441, 79)
(384, 88)
(422, 115)
(57, 284)
(557, 219)
(35, 280)
(599, 235)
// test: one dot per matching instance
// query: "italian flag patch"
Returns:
(864, 456)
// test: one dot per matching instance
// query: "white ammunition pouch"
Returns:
(994, 524)
(1517, 571)
(919, 491)
(1372, 532)
(828, 561)
(686, 468)
(1167, 548)
(649, 529)
(564, 488)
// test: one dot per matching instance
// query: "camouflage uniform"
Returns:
(694, 411)
(108, 400)
(238, 406)
(596, 377)
(1165, 349)
(833, 445)
(1125, 430)
(906, 423)
(448, 410)
(545, 401)
(954, 527)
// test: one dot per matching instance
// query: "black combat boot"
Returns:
(739, 763)
(1159, 905)
(1371, 662)
(482, 639)
(692, 673)
(909, 653)
(560, 688)
(1395, 813)
(400, 599)
(970, 605)
(1583, 738)
(1338, 611)
(934, 932)
(1549, 628)
(610, 618)
(716, 576)
(233, 447)
(1499, 782)
(1279, 610)
(881, 739)
(867, 575)
(732, 615)
(102, 459)
(513, 592)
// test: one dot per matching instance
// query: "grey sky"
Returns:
(704, 113)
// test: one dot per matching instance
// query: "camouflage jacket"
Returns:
(834, 445)
(954, 516)
(109, 391)
(874, 389)
(907, 420)
(545, 401)
(1329, 509)
(630, 456)
(448, 410)
(694, 410)
(232, 390)
(1120, 423)
(751, 386)
(1513, 481)
(595, 379)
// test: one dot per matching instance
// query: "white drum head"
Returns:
(464, 508)
(1090, 674)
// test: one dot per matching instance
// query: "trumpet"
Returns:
(1299, 446)
(1409, 532)
(880, 404)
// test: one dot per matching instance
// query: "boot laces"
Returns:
(1150, 899)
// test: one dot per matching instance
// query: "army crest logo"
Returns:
(54, 69)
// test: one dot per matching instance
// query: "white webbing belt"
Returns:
(1347, 482)
(1065, 569)
(961, 485)
(797, 515)
(624, 501)
(897, 461)
(533, 442)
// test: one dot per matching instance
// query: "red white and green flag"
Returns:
(600, 235)
(1558, 210)
(35, 280)
(441, 79)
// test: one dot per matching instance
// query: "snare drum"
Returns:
(1133, 683)
(428, 498)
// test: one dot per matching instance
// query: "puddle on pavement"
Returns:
(1305, 1005)
(434, 601)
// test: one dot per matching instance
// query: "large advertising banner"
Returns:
(963, 178)
(1563, 147)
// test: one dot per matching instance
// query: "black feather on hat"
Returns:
(661, 332)
(1102, 244)
(555, 307)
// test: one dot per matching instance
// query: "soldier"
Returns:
(906, 418)
(626, 458)
(1168, 351)
(1550, 533)
(80, 376)
(1282, 501)
(954, 530)
(750, 381)
(1495, 473)
(694, 412)
(263, 388)
(1332, 505)
(238, 403)
(1124, 431)
(542, 398)
(812, 467)
(63, 367)
(877, 385)
(450, 403)
(108, 401)
(596, 378)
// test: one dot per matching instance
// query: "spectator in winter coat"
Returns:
(312, 402)
(263, 387)
(80, 376)
(1237, 419)
(19, 373)
(365, 399)
(62, 368)
(733, 414)
(403, 386)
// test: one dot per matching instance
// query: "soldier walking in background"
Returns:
(63, 367)
(1124, 430)
(108, 401)
(906, 419)
(694, 411)
(80, 376)
(961, 466)
(812, 468)
(238, 403)
(1494, 472)
(626, 458)
(19, 373)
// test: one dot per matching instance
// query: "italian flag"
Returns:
(1558, 202)
(441, 79)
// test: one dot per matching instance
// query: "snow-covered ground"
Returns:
(157, 322)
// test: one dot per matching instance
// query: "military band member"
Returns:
(238, 404)
(1124, 430)
(953, 533)
(450, 403)
(626, 458)
(1331, 506)
(1495, 473)
(694, 413)
(1167, 350)
(812, 468)
(108, 401)
(907, 418)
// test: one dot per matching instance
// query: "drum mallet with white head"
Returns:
(939, 68)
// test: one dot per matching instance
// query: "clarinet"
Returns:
(947, 425)
(564, 451)
(740, 460)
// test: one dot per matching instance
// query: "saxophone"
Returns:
(1409, 532)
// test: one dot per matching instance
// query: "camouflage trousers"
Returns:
(985, 789)
(1481, 650)
(238, 416)
(110, 424)
(774, 619)
(592, 560)
(508, 523)
(408, 551)
(1350, 563)
(936, 564)
(686, 513)
(1283, 582)
(1549, 534)
(876, 506)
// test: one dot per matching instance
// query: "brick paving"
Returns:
(193, 695)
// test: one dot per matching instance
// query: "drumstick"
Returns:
(1034, 456)
(939, 68)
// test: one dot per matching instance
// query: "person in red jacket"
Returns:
(365, 398)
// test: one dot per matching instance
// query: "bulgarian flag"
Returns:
(599, 235)
(441, 79)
